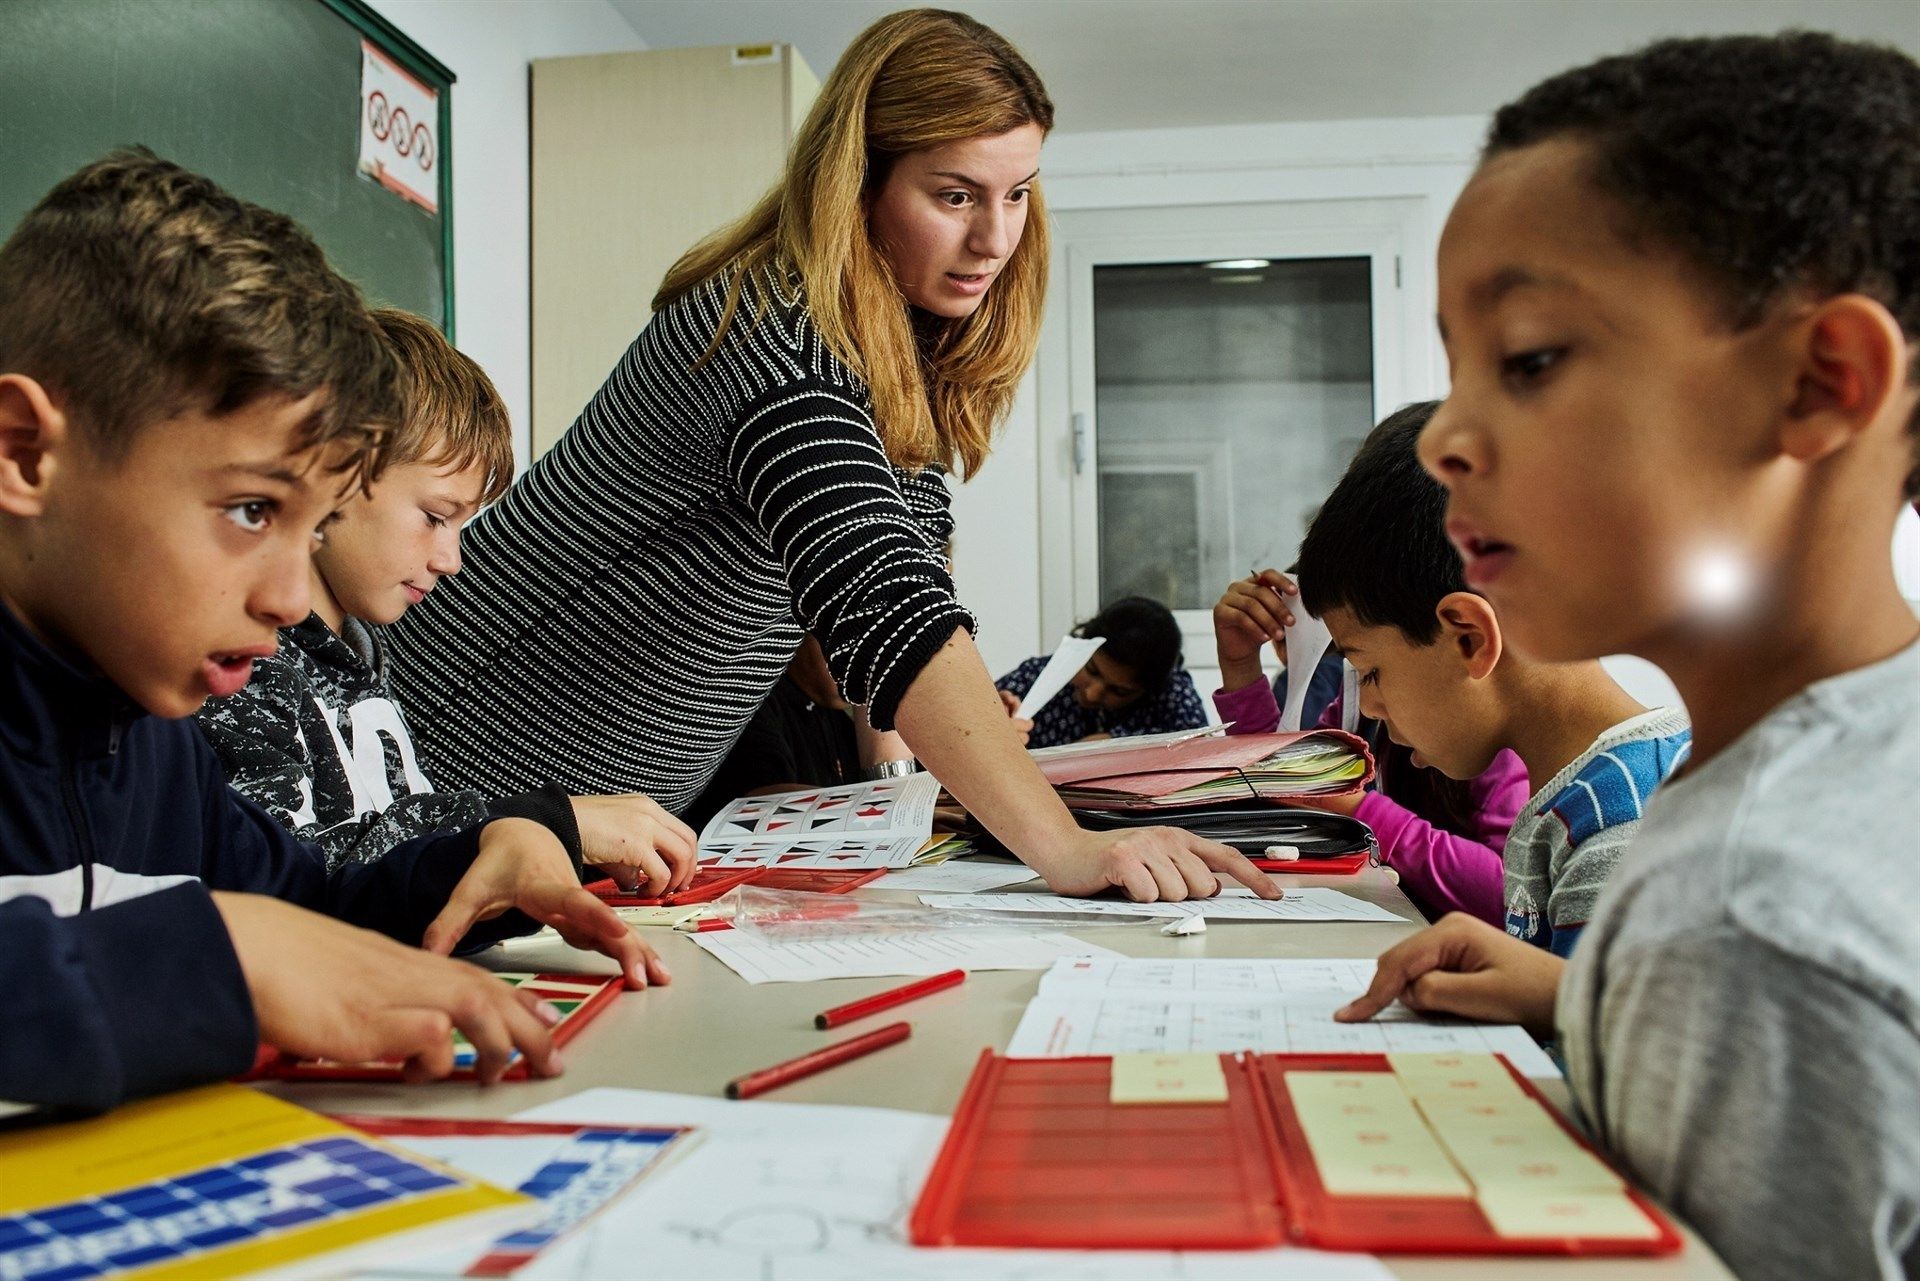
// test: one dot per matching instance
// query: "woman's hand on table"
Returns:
(1150, 865)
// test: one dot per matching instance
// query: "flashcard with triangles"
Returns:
(877, 824)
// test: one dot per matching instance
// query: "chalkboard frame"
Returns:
(440, 78)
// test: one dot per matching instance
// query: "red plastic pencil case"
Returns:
(580, 998)
(1038, 1157)
(710, 883)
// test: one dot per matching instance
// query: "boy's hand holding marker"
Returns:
(523, 865)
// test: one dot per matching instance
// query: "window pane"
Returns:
(1228, 401)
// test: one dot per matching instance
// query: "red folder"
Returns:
(1037, 1156)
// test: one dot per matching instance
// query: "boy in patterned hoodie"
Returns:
(316, 738)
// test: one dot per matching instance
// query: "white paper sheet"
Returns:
(1125, 743)
(1071, 655)
(1233, 903)
(1134, 1006)
(1307, 642)
(874, 955)
(797, 1192)
(957, 877)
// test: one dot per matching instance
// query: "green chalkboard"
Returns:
(263, 96)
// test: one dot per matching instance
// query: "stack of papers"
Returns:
(1135, 1006)
(1200, 770)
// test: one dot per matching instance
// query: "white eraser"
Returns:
(1283, 853)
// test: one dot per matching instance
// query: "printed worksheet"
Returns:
(1095, 1005)
(958, 876)
(758, 960)
(884, 823)
(1233, 903)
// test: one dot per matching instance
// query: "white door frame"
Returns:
(1379, 230)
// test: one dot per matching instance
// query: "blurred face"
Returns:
(1606, 437)
(387, 549)
(1423, 694)
(947, 218)
(1105, 685)
(171, 568)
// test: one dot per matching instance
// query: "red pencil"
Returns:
(888, 999)
(819, 1061)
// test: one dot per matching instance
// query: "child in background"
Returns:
(316, 738)
(1133, 684)
(186, 391)
(1435, 669)
(1442, 837)
(1681, 299)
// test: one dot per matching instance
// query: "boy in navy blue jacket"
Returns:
(186, 392)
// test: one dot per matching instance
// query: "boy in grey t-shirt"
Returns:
(1752, 983)
(1681, 302)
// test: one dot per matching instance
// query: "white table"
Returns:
(709, 1026)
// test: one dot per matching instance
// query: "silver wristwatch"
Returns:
(893, 769)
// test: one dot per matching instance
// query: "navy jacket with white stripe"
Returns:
(117, 978)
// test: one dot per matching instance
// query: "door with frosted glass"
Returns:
(1206, 374)
(1229, 395)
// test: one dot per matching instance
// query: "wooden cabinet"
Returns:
(635, 157)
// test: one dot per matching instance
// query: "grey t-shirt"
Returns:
(1741, 1021)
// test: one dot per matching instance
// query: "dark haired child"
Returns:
(186, 391)
(1436, 670)
(1681, 297)
(1132, 684)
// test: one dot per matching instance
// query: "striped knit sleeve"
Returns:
(865, 580)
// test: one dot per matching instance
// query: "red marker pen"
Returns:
(888, 999)
(806, 1065)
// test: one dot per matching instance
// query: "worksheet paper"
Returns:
(1135, 1006)
(957, 877)
(757, 960)
(1233, 903)
(883, 823)
(1072, 654)
(798, 1192)
(1307, 642)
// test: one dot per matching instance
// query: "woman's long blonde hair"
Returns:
(912, 80)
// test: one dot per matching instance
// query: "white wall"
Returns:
(488, 44)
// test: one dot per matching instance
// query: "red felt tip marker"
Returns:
(806, 1065)
(888, 999)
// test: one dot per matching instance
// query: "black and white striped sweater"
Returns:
(628, 605)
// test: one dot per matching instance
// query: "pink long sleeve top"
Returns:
(1441, 871)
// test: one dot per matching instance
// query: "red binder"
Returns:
(1038, 1157)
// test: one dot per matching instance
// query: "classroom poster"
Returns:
(399, 130)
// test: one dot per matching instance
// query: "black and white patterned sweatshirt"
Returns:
(317, 740)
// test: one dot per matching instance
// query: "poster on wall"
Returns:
(399, 130)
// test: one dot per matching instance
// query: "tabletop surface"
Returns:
(709, 1026)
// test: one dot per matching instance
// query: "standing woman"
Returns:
(769, 457)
